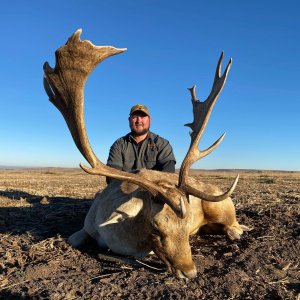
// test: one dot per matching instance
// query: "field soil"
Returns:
(40, 208)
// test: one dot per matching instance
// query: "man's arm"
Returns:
(115, 159)
(168, 166)
(166, 159)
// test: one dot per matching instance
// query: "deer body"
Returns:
(116, 220)
(148, 210)
(125, 219)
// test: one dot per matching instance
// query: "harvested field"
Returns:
(40, 208)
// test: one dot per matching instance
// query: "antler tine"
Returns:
(212, 198)
(64, 86)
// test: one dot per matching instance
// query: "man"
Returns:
(141, 148)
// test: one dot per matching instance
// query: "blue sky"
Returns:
(171, 46)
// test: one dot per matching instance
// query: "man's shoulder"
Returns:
(157, 139)
(121, 140)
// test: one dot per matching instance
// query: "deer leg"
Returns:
(78, 238)
(221, 217)
(235, 230)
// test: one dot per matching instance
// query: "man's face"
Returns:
(139, 123)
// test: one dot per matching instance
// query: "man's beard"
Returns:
(139, 133)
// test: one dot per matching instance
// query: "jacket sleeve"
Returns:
(115, 158)
(166, 159)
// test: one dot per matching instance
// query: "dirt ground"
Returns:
(40, 208)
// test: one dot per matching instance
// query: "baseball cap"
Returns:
(140, 107)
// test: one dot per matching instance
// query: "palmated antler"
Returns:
(201, 112)
(65, 87)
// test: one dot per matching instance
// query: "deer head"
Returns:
(65, 86)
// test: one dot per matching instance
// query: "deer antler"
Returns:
(201, 112)
(65, 85)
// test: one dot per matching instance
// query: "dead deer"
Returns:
(148, 210)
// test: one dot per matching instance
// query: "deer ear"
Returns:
(127, 211)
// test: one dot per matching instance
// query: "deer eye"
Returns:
(155, 231)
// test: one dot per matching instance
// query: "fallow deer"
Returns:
(146, 210)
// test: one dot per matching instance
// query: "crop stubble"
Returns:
(40, 208)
